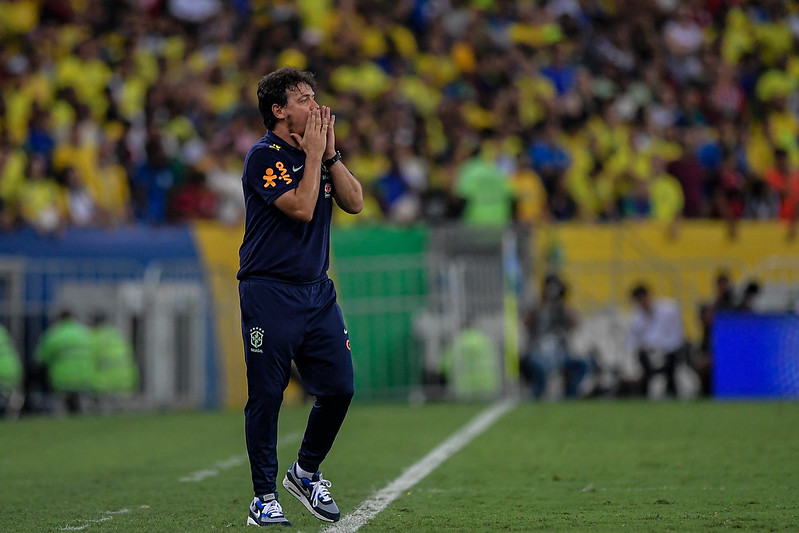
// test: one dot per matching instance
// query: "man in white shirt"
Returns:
(656, 335)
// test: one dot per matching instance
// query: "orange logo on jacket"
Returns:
(270, 175)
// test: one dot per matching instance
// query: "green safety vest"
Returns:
(471, 365)
(116, 370)
(66, 351)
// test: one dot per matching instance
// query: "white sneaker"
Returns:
(313, 494)
(266, 511)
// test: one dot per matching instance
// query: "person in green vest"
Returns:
(487, 191)
(471, 365)
(65, 350)
(116, 372)
(11, 396)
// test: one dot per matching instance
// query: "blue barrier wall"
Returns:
(137, 243)
(136, 246)
(756, 356)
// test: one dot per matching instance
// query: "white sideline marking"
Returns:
(231, 462)
(413, 475)
(87, 523)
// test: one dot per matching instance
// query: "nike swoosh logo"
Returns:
(295, 169)
(345, 331)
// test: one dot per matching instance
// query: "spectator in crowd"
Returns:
(682, 34)
(487, 192)
(13, 163)
(665, 195)
(116, 372)
(656, 338)
(153, 183)
(529, 194)
(81, 211)
(729, 192)
(65, 350)
(395, 194)
(783, 178)
(112, 193)
(42, 202)
(692, 176)
(636, 200)
(549, 327)
(224, 179)
(11, 395)
(549, 159)
(194, 199)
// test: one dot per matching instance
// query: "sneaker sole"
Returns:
(251, 522)
(294, 491)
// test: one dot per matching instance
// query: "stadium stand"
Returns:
(598, 123)
(594, 110)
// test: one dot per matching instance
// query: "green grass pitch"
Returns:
(580, 466)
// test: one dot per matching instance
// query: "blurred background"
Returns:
(565, 198)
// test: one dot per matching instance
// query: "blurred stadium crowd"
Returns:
(113, 112)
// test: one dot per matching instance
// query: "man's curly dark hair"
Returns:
(273, 89)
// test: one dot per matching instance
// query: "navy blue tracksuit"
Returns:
(289, 311)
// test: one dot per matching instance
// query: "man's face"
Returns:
(722, 285)
(642, 301)
(299, 105)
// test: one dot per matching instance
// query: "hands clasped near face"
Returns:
(319, 138)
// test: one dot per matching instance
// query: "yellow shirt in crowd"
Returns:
(665, 197)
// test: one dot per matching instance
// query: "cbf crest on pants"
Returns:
(256, 339)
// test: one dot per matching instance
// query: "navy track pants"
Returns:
(280, 322)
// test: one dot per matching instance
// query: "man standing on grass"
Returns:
(656, 332)
(288, 304)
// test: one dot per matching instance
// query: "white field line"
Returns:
(232, 461)
(215, 469)
(371, 507)
(88, 522)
